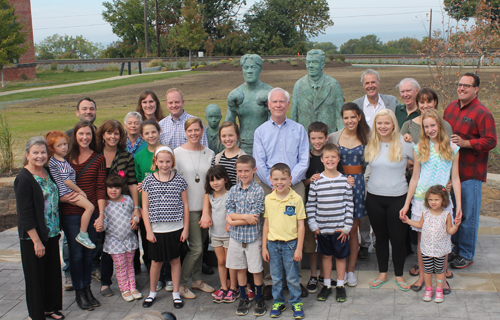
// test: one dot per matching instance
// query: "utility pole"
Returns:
(146, 41)
(157, 30)
(430, 30)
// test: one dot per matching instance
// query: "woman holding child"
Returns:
(387, 154)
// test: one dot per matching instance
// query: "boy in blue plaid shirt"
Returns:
(245, 206)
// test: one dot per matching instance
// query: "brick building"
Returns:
(26, 63)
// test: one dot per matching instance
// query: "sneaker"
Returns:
(159, 286)
(250, 294)
(231, 296)
(312, 285)
(340, 294)
(243, 306)
(439, 295)
(277, 309)
(460, 263)
(260, 308)
(216, 292)
(428, 294)
(363, 253)
(351, 279)
(219, 298)
(298, 313)
(324, 293)
(86, 242)
(452, 256)
(68, 285)
(186, 293)
(96, 274)
(303, 291)
(321, 280)
(169, 286)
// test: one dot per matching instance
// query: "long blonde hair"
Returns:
(424, 146)
(372, 150)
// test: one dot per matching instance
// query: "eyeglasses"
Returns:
(465, 85)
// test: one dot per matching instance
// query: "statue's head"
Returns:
(252, 67)
(315, 62)
(213, 115)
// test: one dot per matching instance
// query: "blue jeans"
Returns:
(465, 239)
(281, 260)
(65, 252)
(80, 257)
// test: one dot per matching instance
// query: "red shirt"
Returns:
(473, 122)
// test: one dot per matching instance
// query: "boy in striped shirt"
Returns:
(329, 211)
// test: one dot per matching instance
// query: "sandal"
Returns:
(416, 273)
(416, 288)
(451, 275)
(55, 313)
(448, 290)
(381, 283)
(402, 285)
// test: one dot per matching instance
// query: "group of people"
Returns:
(303, 189)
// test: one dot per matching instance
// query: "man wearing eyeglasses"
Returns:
(475, 133)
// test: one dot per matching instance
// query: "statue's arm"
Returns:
(294, 111)
(230, 115)
(338, 103)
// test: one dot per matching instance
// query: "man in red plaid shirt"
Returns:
(475, 133)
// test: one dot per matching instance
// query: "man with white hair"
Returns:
(373, 101)
(408, 89)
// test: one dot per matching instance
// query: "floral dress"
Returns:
(51, 204)
(354, 157)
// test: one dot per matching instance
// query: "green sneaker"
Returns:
(298, 313)
(324, 293)
(340, 294)
(277, 309)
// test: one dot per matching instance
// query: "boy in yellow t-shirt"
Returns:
(283, 238)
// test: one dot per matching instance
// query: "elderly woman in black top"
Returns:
(37, 201)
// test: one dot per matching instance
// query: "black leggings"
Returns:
(384, 218)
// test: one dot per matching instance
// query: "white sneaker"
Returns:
(351, 279)
(169, 286)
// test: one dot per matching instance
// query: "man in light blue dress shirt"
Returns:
(281, 140)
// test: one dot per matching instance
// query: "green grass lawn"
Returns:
(89, 87)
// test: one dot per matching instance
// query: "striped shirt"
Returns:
(62, 171)
(92, 182)
(124, 161)
(330, 205)
(173, 134)
(246, 201)
(230, 165)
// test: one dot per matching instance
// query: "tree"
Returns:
(12, 36)
(67, 47)
(364, 45)
(404, 45)
(327, 47)
(464, 10)
(189, 32)
(219, 15)
(311, 17)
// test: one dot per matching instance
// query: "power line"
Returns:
(412, 7)
(87, 25)
(378, 15)
(60, 17)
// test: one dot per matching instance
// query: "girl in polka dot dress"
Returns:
(435, 241)
(121, 241)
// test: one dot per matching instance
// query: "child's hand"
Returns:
(139, 187)
(150, 236)
(457, 222)
(404, 218)
(83, 194)
(315, 177)
(252, 219)
(458, 217)
(184, 235)
(69, 198)
(350, 181)
(228, 227)
(229, 220)
(403, 212)
(407, 137)
(343, 236)
(317, 231)
(133, 223)
(205, 221)
(297, 255)
(265, 254)
(99, 224)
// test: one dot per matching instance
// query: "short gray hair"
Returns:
(287, 95)
(411, 80)
(369, 71)
(133, 114)
(35, 141)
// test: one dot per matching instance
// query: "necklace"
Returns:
(197, 176)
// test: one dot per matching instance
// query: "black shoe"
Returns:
(90, 297)
(178, 303)
(82, 301)
(340, 294)
(324, 293)
(206, 269)
(460, 263)
(447, 291)
(260, 308)
(243, 306)
(312, 285)
(303, 291)
(321, 280)
(452, 256)
(267, 292)
(148, 302)
(363, 253)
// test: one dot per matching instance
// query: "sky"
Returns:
(388, 19)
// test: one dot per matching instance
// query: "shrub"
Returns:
(331, 57)
(288, 60)
(280, 60)
(195, 64)
(293, 63)
(214, 64)
(6, 145)
(340, 58)
(236, 64)
(230, 59)
(112, 67)
(200, 66)
(53, 66)
(181, 64)
(156, 63)
(223, 61)
(266, 60)
(67, 68)
(327, 60)
(24, 76)
(273, 61)
(203, 63)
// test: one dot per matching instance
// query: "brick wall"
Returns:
(26, 64)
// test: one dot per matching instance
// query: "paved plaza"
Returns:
(475, 292)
